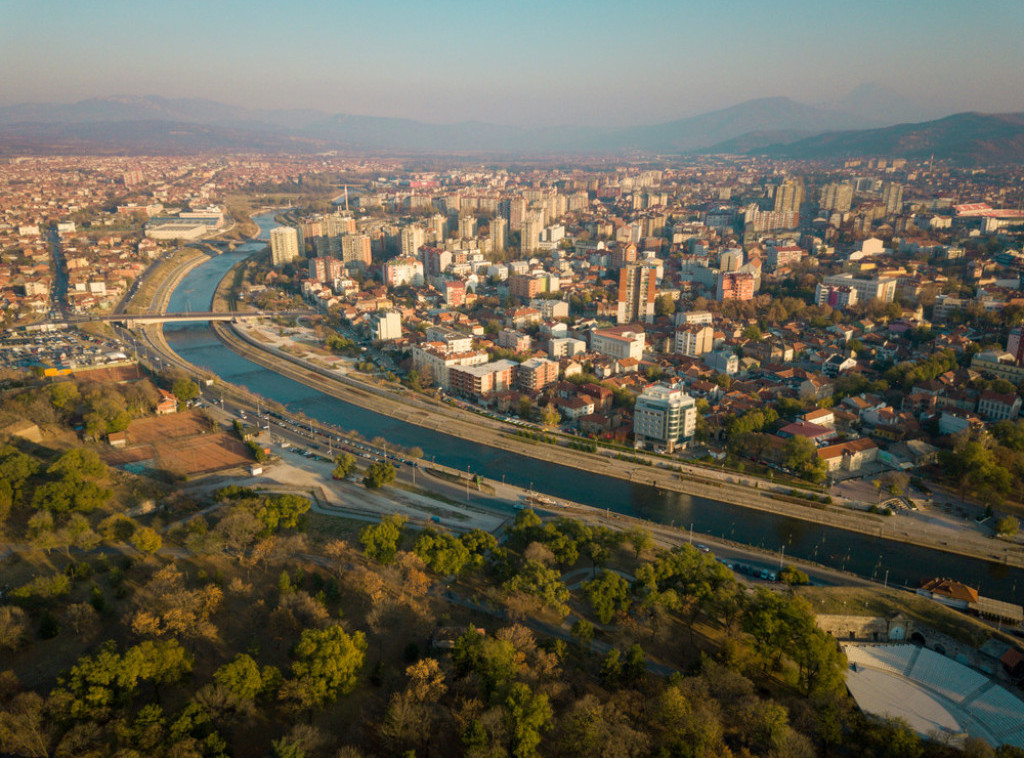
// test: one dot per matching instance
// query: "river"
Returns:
(866, 556)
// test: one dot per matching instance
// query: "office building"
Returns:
(284, 245)
(664, 416)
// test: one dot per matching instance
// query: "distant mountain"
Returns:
(771, 114)
(776, 125)
(964, 138)
(885, 106)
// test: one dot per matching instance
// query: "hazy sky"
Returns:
(542, 62)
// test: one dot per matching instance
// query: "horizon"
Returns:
(595, 64)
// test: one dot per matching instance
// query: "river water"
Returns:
(863, 555)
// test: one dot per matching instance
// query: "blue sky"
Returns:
(563, 61)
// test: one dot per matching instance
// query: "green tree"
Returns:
(243, 677)
(493, 660)
(78, 463)
(184, 389)
(378, 474)
(442, 553)
(380, 541)
(544, 584)
(327, 663)
(801, 456)
(583, 631)
(640, 539)
(1007, 526)
(527, 716)
(344, 465)
(608, 594)
(146, 540)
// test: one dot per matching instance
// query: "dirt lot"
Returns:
(180, 443)
(145, 431)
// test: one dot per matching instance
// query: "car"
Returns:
(703, 548)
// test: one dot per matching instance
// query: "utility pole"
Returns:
(782, 557)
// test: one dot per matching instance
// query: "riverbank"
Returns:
(406, 407)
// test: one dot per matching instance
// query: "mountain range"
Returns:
(774, 126)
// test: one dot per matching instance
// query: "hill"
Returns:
(965, 138)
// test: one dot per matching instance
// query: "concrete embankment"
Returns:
(413, 409)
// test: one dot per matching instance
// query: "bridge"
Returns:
(131, 320)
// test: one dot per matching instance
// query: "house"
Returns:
(816, 387)
(849, 456)
(821, 417)
(815, 433)
(168, 404)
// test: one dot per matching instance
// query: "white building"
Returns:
(883, 289)
(412, 239)
(694, 341)
(386, 325)
(284, 245)
(618, 342)
(403, 270)
(664, 415)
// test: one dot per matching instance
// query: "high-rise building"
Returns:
(516, 213)
(467, 227)
(386, 325)
(637, 287)
(665, 416)
(325, 269)
(837, 197)
(530, 235)
(439, 228)
(736, 286)
(789, 195)
(412, 237)
(499, 234)
(284, 245)
(892, 197)
(1015, 344)
(356, 250)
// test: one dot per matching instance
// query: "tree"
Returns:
(639, 538)
(583, 631)
(608, 594)
(13, 627)
(664, 306)
(380, 541)
(184, 389)
(327, 662)
(243, 677)
(800, 456)
(1007, 526)
(442, 553)
(344, 464)
(379, 474)
(527, 715)
(78, 463)
(147, 540)
(549, 415)
(542, 583)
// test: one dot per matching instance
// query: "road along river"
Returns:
(864, 555)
